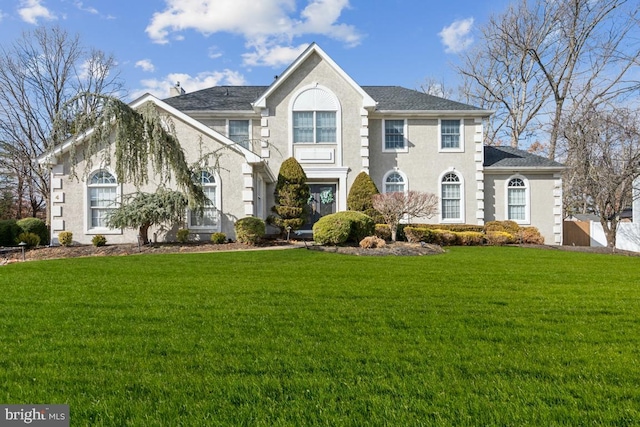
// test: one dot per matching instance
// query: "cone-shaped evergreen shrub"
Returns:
(360, 197)
(291, 195)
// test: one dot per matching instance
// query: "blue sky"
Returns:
(203, 43)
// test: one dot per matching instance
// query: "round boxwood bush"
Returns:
(35, 226)
(98, 240)
(65, 238)
(218, 238)
(331, 230)
(357, 226)
(250, 230)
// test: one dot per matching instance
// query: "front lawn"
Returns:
(477, 336)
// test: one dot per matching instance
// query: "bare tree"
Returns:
(398, 205)
(435, 87)
(603, 160)
(545, 55)
(499, 75)
(39, 73)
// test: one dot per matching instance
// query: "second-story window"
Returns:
(239, 132)
(314, 126)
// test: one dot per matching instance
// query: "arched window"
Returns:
(209, 216)
(103, 196)
(394, 182)
(518, 200)
(451, 197)
(315, 117)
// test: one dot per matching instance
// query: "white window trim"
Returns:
(398, 171)
(218, 207)
(238, 119)
(527, 199)
(461, 219)
(405, 131)
(88, 229)
(459, 149)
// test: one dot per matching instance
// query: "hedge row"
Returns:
(493, 233)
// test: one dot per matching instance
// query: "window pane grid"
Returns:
(239, 132)
(394, 134)
(314, 126)
(209, 216)
(450, 133)
(102, 198)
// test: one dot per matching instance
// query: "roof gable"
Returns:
(261, 102)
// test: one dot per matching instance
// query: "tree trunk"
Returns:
(144, 233)
(610, 229)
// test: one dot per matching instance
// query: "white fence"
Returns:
(627, 238)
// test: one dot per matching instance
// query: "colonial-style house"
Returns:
(404, 139)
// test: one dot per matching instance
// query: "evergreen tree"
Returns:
(360, 197)
(291, 196)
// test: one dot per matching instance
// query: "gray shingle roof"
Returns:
(400, 98)
(239, 98)
(508, 157)
(218, 98)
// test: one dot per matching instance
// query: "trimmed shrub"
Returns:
(98, 240)
(218, 238)
(182, 235)
(510, 227)
(498, 238)
(250, 230)
(420, 234)
(331, 230)
(383, 231)
(372, 242)
(446, 237)
(471, 238)
(531, 235)
(65, 238)
(31, 239)
(361, 194)
(35, 226)
(360, 226)
(291, 197)
(9, 231)
(451, 227)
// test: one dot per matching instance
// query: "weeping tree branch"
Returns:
(142, 140)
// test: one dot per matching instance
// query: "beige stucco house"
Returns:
(405, 140)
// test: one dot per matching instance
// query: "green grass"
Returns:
(477, 336)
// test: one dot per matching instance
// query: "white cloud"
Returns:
(2, 15)
(268, 26)
(32, 10)
(160, 87)
(84, 8)
(271, 55)
(146, 65)
(456, 37)
(214, 52)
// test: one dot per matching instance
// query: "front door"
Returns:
(322, 201)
